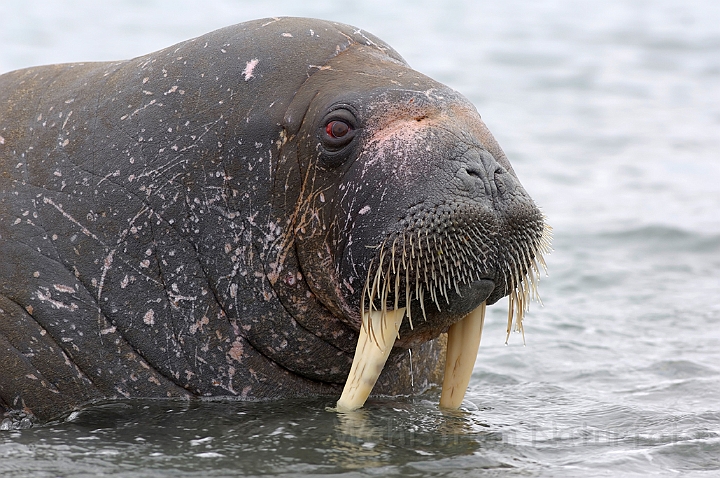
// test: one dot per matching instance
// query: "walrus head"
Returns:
(418, 219)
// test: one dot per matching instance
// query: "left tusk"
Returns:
(462, 348)
(377, 337)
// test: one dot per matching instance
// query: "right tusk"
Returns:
(462, 348)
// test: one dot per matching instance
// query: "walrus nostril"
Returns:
(475, 172)
(477, 179)
(480, 172)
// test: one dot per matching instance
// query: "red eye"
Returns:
(337, 129)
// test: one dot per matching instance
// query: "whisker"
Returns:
(442, 254)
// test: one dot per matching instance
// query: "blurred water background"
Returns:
(610, 114)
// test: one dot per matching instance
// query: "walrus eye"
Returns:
(338, 133)
(337, 129)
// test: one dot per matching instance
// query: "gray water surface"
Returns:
(610, 114)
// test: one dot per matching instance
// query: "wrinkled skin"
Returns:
(182, 224)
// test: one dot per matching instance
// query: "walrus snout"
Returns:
(445, 259)
(481, 175)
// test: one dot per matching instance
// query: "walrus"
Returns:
(280, 208)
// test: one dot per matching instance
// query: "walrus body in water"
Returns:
(281, 208)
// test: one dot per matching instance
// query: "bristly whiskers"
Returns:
(437, 251)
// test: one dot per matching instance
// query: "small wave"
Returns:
(648, 239)
(662, 237)
(679, 369)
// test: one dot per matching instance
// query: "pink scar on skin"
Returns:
(395, 135)
(403, 131)
(249, 67)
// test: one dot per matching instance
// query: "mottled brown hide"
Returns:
(185, 223)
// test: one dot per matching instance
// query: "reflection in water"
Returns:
(264, 438)
(366, 438)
